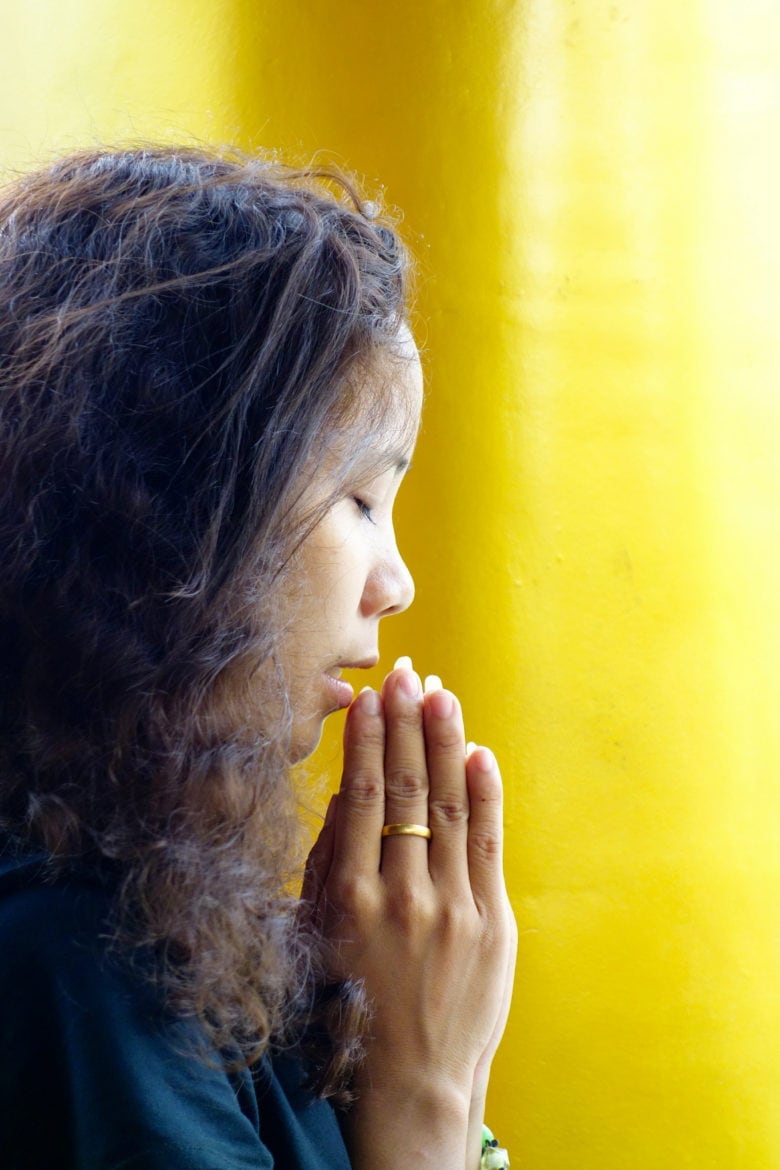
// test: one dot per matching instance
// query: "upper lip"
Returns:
(361, 664)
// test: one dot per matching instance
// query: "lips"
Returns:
(341, 691)
(364, 664)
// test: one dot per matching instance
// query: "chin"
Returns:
(305, 740)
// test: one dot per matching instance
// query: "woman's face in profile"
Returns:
(348, 573)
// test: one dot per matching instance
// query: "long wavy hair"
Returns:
(180, 332)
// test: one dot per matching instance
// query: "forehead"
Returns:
(385, 398)
(380, 433)
(388, 406)
(396, 383)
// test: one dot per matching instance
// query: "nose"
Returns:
(389, 587)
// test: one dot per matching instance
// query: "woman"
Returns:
(208, 397)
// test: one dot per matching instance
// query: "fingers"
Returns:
(406, 772)
(405, 761)
(361, 801)
(485, 831)
(448, 799)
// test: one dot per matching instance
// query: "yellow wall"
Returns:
(594, 516)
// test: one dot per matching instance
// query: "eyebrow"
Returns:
(392, 458)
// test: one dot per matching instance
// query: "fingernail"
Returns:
(442, 704)
(432, 683)
(403, 663)
(369, 701)
(485, 760)
(470, 747)
(410, 684)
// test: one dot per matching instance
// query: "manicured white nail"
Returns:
(369, 701)
(486, 761)
(403, 663)
(470, 747)
(432, 683)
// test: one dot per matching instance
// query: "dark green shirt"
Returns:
(95, 1075)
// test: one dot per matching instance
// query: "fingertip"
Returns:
(407, 682)
(483, 773)
(484, 760)
(368, 702)
(440, 703)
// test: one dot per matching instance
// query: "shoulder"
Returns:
(91, 1058)
(53, 939)
(43, 917)
(93, 1062)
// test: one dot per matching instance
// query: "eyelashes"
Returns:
(363, 508)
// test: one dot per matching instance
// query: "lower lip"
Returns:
(341, 691)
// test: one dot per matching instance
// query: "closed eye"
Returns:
(363, 508)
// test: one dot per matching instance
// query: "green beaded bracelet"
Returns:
(494, 1156)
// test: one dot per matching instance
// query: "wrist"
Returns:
(403, 1123)
(477, 1113)
(479, 1090)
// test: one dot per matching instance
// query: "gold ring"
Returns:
(407, 831)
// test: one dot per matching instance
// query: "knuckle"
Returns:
(500, 933)
(362, 788)
(449, 738)
(446, 812)
(485, 844)
(456, 921)
(407, 906)
(406, 717)
(351, 893)
(405, 784)
(369, 736)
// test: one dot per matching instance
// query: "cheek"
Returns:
(327, 580)
(321, 620)
(334, 608)
(336, 579)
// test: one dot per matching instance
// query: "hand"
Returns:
(426, 926)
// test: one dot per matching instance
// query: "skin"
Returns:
(427, 926)
(348, 573)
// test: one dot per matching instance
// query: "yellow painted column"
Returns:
(77, 73)
(594, 514)
(594, 521)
